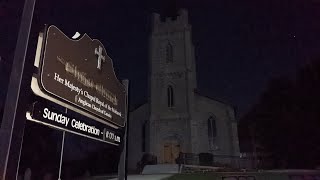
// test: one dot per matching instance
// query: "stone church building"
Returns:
(176, 117)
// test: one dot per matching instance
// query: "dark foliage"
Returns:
(206, 159)
(286, 120)
(147, 159)
(103, 161)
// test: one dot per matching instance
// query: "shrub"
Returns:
(205, 159)
(147, 159)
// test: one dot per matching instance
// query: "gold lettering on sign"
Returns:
(84, 80)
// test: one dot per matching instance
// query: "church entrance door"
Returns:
(171, 152)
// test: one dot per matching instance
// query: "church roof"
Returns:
(136, 106)
(197, 91)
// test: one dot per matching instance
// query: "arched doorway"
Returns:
(171, 147)
(171, 152)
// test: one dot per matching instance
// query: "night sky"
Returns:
(240, 45)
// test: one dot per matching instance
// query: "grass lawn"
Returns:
(218, 176)
(195, 177)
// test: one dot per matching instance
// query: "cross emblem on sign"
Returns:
(100, 56)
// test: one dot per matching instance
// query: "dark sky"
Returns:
(240, 45)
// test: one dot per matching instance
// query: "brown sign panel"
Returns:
(81, 73)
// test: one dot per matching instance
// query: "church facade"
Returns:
(176, 117)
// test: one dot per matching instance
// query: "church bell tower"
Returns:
(171, 84)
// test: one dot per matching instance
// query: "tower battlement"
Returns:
(180, 22)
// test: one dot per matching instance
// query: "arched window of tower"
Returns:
(169, 53)
(212, 132)
(170, 96)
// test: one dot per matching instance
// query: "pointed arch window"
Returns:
(169, 53)
(143, 133)
(170, 96)
(212, 132)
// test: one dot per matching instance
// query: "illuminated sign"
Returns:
(79, 73)
(52, 117)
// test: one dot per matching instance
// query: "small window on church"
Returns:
(169, 53)
(143, 137)
(212, 131)
(170, 96)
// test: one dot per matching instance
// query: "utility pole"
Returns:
(13, 121)
(123, 163)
